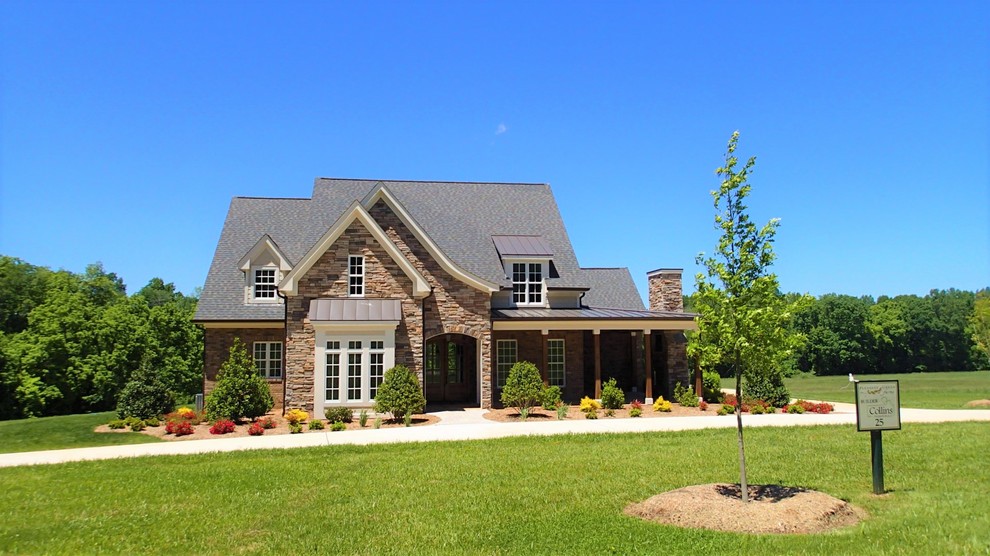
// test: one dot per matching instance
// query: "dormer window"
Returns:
(527, 283)
(265, 283)
(355, 276)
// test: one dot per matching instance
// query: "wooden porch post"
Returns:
(543, 368)
(648, 343)
(598, 364)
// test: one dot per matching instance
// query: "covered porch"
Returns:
(580, 349)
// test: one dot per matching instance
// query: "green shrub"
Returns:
(612, 395)
(635, 412)
(117, 424)
(562, 412)
(399, 393)
(711, 386)
(315, 425)
(295, 428)
(378, 423)
(131, 421)
(685, 396)
(338, 426)
(407, 419)
(610, 412)
(590, 414)
(144, 396)
(768, 387)
(796, 408)
(153, 422)
(523, 388)
(551, 398)
(240, 391)
(725, 410)
(339, 414)
(523, 413)
(756, 409)
(363, 418)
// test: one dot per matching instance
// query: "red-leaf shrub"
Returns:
(636, 404)
(811, 407)
(178, 428)
(222, 426)
(256, 429)
(268, 422)
(703, 405)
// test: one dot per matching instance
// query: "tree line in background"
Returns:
(70, 342)
(945, 330)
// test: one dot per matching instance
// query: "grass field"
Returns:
(524, 495)
(65, 431)
(918, 390)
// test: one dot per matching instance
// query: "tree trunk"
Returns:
(743, 485)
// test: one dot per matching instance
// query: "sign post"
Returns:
(878, 409)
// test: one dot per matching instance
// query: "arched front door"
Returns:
(449, 369)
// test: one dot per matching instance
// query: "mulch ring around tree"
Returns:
(538, 414)
(984, 404)
(772, 509)
(202, 431)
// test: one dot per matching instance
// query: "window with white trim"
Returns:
(353, 366)
(555, 362)
(505, 358)
(527, 283)
(376, 367)
(355, 276)
(332, 371)
(265, 283)
(268, 359)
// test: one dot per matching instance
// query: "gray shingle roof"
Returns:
(459, 217)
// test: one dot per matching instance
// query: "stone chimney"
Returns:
(665, 290)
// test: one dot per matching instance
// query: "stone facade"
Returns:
(677, 366)
(217, 349)
(666, 293)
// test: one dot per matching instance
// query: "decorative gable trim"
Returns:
(266, 243)
(380, 192)
(290, 284)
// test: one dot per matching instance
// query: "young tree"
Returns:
(399, 393)
(240, 391)
(744, 319)
(523, 387)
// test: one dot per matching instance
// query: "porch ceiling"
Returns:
(590, 318)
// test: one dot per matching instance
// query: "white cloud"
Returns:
(501, 129)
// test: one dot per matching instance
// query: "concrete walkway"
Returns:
(470, 424)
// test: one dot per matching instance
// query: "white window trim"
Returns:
(267, 375)
(515, 348)
(351, 275)
(250, 289)
(544, 269)
(563, 362)
(370, 332)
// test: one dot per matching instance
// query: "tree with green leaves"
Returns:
(744, 320)
(240, 391)
(979, 327)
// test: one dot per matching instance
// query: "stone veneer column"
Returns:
(677, 367)
(666, 292)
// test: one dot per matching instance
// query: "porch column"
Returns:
(543, 368)
(598, 363)
(648, 348)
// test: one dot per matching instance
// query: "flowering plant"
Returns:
(223, 426)
(256, 429)
(296, 416)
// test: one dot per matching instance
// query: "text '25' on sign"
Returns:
(878, 405)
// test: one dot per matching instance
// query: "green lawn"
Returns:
(524, 495)
(918, 390)
(66, 431)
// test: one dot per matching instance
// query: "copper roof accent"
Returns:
(522, 246)
(355, 309)
(587, 313)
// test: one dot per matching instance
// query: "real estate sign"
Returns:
(878, 405)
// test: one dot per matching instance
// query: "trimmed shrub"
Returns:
(268, 422)
(399, 393)
(223, 426)
(178, 428)
(185, 413)
(256, 429)
(612, 395)
(296, 416)
(295, 428)
(711, 386)
(662, 405)
(338, 426)
(144, 396)
(795, 408)
(131, 421)
(635, 412)
(769, 387)
(316, 425)
(152, 422)
(551, 398)
(240, 391)
(685, 396)
(589, 405)
(523, 388)
(338, 414)
(117, 424)
(703, 405)
(757, 409)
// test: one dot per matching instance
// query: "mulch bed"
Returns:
(202, 431)
(507, 415)
(772, 509)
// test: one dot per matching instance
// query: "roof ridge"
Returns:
(254, 198)
(434, 181)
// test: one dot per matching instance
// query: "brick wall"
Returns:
(217, 346)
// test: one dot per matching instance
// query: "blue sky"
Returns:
(126, 127)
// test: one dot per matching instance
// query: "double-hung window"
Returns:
(268, 359)
(355, 276)
(527, 283)
(265, 283)
(555, 362)
(506, 355)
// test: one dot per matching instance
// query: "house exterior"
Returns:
(457, 281)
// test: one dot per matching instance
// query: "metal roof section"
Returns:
(522, 246)
(590, 318)
(355, 310)
(585, 313)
